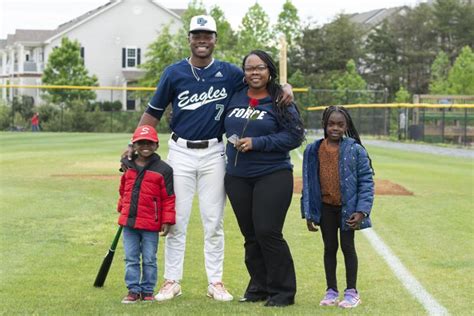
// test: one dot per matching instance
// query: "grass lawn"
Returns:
(58, 194)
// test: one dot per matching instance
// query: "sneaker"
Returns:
(351, 299)
(218, 292)
(330, 299)
(131, 298)
(147, 297)
(170, 289)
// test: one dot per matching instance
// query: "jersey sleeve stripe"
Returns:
(155, 108)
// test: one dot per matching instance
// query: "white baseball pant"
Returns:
(204, 170)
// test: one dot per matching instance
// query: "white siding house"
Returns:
(114, 39)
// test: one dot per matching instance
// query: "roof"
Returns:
(77, 21)
(66, 25)
(373, 18)
(84, 16)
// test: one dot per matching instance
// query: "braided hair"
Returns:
(284, 117)
(351, 131)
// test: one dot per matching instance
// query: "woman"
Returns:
(259, 178)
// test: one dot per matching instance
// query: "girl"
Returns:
(338, 192)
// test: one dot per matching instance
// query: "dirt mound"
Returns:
(382, 187)
(87, 176)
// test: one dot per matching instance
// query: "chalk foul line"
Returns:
(406, 278)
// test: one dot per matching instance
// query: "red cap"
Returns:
(145, 132)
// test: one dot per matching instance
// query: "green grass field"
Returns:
(58, 196)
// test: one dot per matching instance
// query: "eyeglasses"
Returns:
(258, 68)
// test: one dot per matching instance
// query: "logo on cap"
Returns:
(146, 132)
(201, 21)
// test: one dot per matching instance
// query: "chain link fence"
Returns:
(435, 119)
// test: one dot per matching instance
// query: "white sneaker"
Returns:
(170, 289)
(218, 292)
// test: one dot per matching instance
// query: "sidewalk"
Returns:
(422, 148)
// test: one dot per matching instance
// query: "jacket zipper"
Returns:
(156, 210)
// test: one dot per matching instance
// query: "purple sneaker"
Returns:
(351, 299)
(330, 299)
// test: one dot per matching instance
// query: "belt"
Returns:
(195, 144)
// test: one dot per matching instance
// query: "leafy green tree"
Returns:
(288, 23)
(402, 96)
(158, 57)
(226, 38)
(417, 43)
(464, 31)
(453, 23)
(255, 32)
(66, 67)
(439, 74)
(461, 76)
(350, 85)
(322, 52)
(381, 60)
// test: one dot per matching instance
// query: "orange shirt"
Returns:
(329, 173)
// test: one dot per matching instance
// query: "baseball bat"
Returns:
(107, 262)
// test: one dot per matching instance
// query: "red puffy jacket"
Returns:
(147, 197)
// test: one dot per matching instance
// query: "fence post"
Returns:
(442, 124)
(111, 119)
(465, 126)
(373, 121)
(61, 122)
(423, 125)
(13, 115)
(388, 112)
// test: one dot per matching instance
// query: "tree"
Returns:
(226, 38)
(66, 67)
(453, 24)
(289, 23)
(402, 96)
(417, 44)
(350, 85)
(461, 76)
(255, 33)
(439, 74)
(323, 51)
(158, 57)
(381, 60)
(445, 14)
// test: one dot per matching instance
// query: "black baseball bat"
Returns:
(107, 262)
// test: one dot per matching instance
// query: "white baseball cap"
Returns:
(202, 23)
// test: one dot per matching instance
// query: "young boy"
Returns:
(146, 206)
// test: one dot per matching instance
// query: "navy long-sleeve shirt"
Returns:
(271, 142)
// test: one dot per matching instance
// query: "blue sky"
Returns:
(48, 14)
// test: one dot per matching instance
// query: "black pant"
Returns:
(330, 223)
(260, 205)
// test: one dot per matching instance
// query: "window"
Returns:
(130, 57)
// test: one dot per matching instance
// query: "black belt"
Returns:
(198, 144)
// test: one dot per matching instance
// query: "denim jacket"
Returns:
(355, 178)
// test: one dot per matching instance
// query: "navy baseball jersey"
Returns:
(271, 142)
(198, 97)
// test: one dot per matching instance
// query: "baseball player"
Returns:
(198, 89)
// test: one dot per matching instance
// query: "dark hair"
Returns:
(284, 117)
(351, 130)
